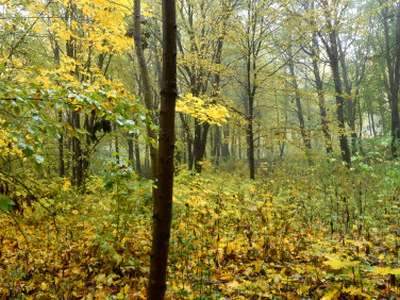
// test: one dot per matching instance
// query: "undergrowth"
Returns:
(298, 232)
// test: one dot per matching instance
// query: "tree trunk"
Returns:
(147, 94)
(200, 142)
(77, 166)
(314, 55)
(116, 144)
(371, 118)
(351, 108)
(225, 144)
(332, 51)
(137, 154)
(163, 203)
(197, 145)
(61, 148)
(250, 149)
(299, 111)
(392, 56)
(322, 106)
(216, 147)
(130, 143)
(189, 141)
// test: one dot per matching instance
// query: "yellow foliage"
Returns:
(386, 271)
(340, 264)
(331, 294)
(354, 291)
(198, 108)
(5, 147)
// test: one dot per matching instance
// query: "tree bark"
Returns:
(333, 55)
(299, 111)
(392, 56)
(147, 93)
(130, 143)
(189, 141)
(61, 148)
(137, 154)
(116, 141)
(321, 100)
(163, 203)
(313, 53)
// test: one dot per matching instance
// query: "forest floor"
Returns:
(296, 233)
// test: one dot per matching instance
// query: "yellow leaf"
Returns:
(44, 286)
(339, 264)
(332, 294)
(107, 105)
(353, 290)
(303, 289)
(386, 271)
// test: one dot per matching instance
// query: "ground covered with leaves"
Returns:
(321, 232)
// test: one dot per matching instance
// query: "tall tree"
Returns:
(147, 90)
(163, 203)
(299, 111)
(331, 42)
(255, 24)
(200, 42)
(391, 50)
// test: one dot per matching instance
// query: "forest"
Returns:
(199, 149)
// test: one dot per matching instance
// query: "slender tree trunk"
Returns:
(197, 145)
(129, 142)
(300, 114)
(351, 108)
(147, 157)
(250, 145)
(240, 145)
(137, 155)
(251, 91)
(225, 143)
(189, 141)
(371, 118)
(78, 175)
(163, 203)
(147, 94)
(116, 144)
(233, 146)
(77, 155)
(392, 55)
(216, 149)
(61, 148)
(332, 51)
(88, 125)
(313, 53)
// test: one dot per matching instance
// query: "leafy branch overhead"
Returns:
(203, 111)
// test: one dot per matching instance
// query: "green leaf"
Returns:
(6, 203)
(119, 108)
(17, 110)
(29, 151)
(19, 136)
(109, 185)
(38, 167)
(39, 159)
(38, 119)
